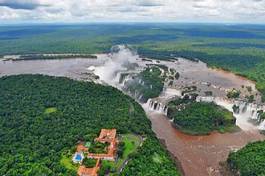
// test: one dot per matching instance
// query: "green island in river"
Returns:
(199, 118)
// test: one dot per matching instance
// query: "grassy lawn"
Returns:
(50, 110)
(67, 163)
(132, 142)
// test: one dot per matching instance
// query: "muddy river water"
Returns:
(72, 68)
(199, 155)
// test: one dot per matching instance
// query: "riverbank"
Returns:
(175, 159)
(47, 56)
(200, 155)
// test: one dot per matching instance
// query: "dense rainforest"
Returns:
(249, 160)
(41, 117)
(198, 118)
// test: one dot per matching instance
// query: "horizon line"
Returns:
(123, 22)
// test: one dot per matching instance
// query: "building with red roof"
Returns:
(84, 171)
(105, 136)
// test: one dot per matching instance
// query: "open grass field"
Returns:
(66, 161)
(131, 143)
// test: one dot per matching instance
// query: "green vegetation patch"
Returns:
(40, 140)
(201, 118)
(249, 160)
(98, 147)
(131, 143)
(50, 110)
(66, 161)
(145, 159)
(128, 146)
(89, 163)
(157, 158)
(233, 93)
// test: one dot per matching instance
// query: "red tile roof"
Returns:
(106, 135)
(83, 171)
(81, 148)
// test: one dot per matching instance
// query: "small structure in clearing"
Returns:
(107, 136)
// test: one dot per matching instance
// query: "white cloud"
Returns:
(133, 10)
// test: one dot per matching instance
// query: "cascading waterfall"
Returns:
(157, 106)
(262, 126)
(244, 112)
(251, 110)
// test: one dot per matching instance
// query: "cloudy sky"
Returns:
(239, 11)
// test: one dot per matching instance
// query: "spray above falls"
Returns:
(121, 59)
(124, 69)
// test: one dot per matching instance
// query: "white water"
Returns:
(123, 60)
(247, 112)
(159, 104)
(156, 106)
(115, 63)
(262, 125)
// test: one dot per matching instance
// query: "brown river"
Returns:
(199, 155)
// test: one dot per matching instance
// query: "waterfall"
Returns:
(141, 82)
(140, 97)
(124, 78)
(156, 106)
(249, 109)
(244, 111)
(262, 126)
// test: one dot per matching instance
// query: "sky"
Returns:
(86, 11)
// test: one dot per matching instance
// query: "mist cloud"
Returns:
(121, 59)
